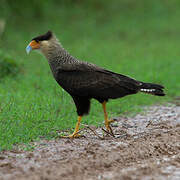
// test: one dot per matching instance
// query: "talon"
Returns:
(75, 133)
(107, 124)
(111, 121)
(71, 136)
(107, 121)
(108, 128)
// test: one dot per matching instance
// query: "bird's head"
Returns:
(42, 42)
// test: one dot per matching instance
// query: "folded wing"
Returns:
(94, 82)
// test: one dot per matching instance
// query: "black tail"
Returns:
(150, 88)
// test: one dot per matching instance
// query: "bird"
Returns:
(85, 81)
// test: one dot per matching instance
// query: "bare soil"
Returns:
(146, 146)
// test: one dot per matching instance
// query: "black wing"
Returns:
(94, 82)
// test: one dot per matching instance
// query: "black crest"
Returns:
(43, 37)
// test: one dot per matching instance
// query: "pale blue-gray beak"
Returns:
(32, 45)
(28, 49)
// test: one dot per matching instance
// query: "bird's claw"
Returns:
(108, 127)
(74, 135)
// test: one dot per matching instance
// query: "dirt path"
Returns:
(146, 147)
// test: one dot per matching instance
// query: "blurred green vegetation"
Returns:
(134, 37)
(8, 66)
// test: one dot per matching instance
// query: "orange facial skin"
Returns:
(34, 44)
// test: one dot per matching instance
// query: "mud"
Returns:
(145, 147)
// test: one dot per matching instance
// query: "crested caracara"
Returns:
(84, 81)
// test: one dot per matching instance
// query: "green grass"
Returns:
(137, 38)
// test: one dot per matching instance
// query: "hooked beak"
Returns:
(32, 45)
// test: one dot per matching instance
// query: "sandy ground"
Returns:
(145, 147)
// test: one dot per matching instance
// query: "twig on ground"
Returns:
(109, 133)
(94, 132)
(149, 123)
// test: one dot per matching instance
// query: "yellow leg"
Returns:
(107, 121)
(75, 133)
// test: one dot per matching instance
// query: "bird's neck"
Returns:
(56, 55)
(52, 49)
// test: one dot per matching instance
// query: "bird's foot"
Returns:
(108, 127)
(73, 135)
(110, 121)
